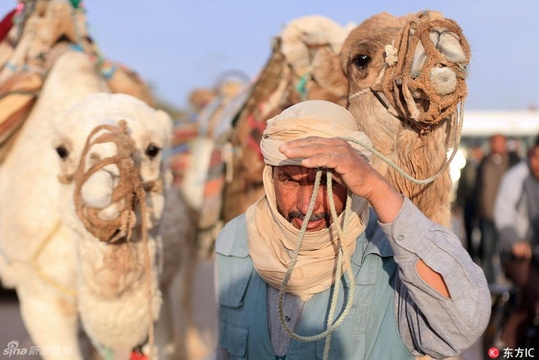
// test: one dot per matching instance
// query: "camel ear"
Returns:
(326, 70)
(166, 120)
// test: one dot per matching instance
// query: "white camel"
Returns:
(55, 250)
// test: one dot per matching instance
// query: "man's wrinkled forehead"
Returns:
(296, 172)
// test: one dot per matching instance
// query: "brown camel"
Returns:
(405, 77)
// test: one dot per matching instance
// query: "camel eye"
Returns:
(362, 60)
(62, 152)
(152, 151)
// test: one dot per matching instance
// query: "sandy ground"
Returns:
(204, 310)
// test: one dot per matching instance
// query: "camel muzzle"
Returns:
(108, 185)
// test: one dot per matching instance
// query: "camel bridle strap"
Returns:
(125, 193)
(400, 86)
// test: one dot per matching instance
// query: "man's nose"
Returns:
(304, 198)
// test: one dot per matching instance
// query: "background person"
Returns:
(489, 175)
(466, 197)
(517, 219)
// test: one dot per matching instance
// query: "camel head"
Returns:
(113, 175)
(405, 80)
(111, 159)
(412, 66)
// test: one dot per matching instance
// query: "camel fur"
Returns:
(369, 53)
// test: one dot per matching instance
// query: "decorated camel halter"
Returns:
(410, 86)
(129, 193)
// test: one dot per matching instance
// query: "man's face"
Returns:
(293, 190)
(534, 161)
(498, 144)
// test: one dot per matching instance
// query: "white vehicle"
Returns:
(517, 125)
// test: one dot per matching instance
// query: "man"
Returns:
(466, 196)
(491, 169)
(409, 287)
(516, 215)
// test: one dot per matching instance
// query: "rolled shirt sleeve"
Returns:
(430, 323)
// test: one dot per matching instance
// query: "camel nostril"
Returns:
(111, 212)
(443, 80)
(449, 44)
(97, 190)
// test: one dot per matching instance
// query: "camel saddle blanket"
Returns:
(18, 94)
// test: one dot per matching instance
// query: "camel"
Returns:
(286, 79)
(226, 176)
(66, 269)
(405, 80)
(61, 270)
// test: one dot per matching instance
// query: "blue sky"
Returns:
(178, 45)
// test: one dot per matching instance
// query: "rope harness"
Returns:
(128, 194)
(410, 93)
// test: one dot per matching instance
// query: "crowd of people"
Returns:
(498, 197)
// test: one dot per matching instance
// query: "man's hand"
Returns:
(350, 169)
(522, 250)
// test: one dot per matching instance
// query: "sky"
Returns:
(178, 45)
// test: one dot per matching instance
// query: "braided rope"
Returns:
(342, 257)
(399, 83)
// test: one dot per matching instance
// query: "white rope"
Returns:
(342, 257)
(359, 93)
(445, 165)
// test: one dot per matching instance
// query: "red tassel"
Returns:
(6, 24)
(135, 355)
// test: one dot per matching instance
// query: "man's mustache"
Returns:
(314, 217)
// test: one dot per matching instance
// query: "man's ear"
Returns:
(326, 70)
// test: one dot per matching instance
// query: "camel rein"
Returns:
(408, 177)
(342, 258)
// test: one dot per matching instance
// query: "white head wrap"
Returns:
(271, 237)
(310, 118)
